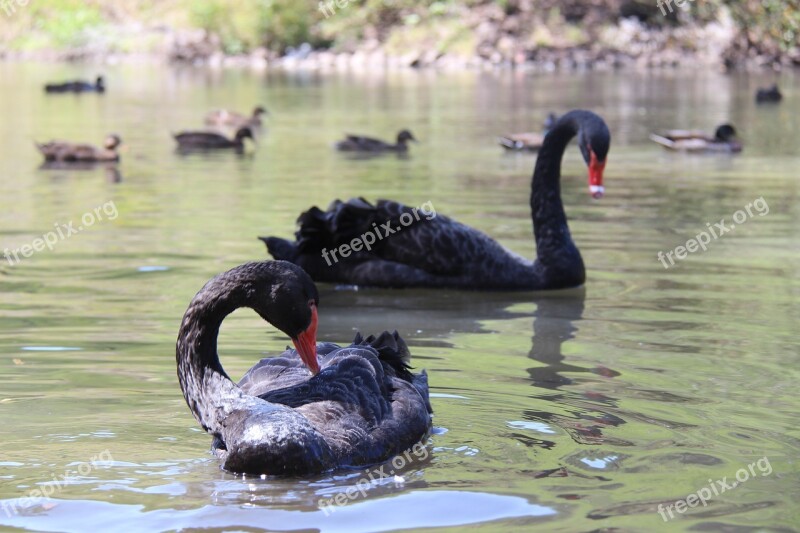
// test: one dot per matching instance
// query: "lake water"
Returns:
(571, 411)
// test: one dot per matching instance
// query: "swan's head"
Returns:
(287, 298)
(594, 140)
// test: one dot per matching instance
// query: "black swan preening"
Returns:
(436, 251)
(358, 405)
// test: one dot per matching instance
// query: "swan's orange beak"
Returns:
(596, 168)
(306, 343)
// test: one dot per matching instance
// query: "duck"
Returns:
(212, 140)
(311, 409)
(359, 143)
(770, 95)
(530, 142)
(724, 140)
(77, 86)
(63, 151)
(226, 118)
(434, 251)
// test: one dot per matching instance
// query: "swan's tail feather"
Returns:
(392, 351)
(281, 249)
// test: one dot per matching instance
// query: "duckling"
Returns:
(724, 140)
(77, 86)
(212, 140)
(63, 151)
(358, 143)
(224, 117)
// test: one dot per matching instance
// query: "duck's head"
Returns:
(99, 83)
(258, 111)
(244, 133)
(404, 136)
(725, 133)
(112, 141)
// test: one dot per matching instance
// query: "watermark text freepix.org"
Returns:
(702, 239)
(329, 505)
(378, 232)
(55, 484)
(328, 7)
(683, 4)
(10, 6)
(61, 232)
(715, 488)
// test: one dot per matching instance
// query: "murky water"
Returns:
(573, 411)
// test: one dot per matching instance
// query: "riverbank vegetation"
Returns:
(735, 32)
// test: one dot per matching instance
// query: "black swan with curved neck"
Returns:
(358, 405)
(409, 250)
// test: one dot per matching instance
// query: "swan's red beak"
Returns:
(306, 343)
(596, 168)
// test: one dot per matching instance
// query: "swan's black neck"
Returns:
(557, 255)
(205, 385)
(277, 290)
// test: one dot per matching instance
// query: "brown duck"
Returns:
(63, 151)
(226, 118)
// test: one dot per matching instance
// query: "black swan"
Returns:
(213, 140)
(358, 143)
(529, 141)
(62, 151)
(724, 140)
(77, 86)
(225, 118)
(358, 405)
(436, 251)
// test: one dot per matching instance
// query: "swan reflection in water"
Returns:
(553, 324)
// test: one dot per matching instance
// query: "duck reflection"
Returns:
(111, 170)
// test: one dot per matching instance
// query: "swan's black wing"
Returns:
(406, 247)
(360, 401)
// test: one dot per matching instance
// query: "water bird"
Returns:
(359, 143)
(528, 141)
(63, 151)
(439, 252)
(723, 140)
(213, 140)
(770, 95)
(77, 86)
(311, 409)
(226, 118)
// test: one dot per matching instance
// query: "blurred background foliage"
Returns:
(241, 26)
